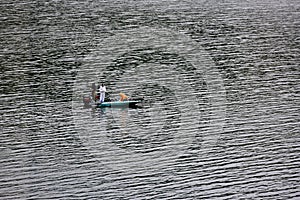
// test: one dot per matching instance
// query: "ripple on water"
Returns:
(52, 148)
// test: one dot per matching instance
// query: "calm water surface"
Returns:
(220, 118)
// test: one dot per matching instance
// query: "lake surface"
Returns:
(220, 117)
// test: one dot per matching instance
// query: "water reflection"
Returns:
(180, 56)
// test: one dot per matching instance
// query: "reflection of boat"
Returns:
(129, 103)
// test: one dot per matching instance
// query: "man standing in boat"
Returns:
(102, 91)
(94, 93)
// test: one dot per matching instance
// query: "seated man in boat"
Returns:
(123, 97)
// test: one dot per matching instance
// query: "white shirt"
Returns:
(102, 89)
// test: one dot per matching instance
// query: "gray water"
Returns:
(220, 118)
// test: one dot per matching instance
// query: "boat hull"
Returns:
(122, 104)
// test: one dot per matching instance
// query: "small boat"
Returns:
(123, 104)
(132, 103)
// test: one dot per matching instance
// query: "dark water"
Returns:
(221, 113)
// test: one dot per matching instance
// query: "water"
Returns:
(221, 113)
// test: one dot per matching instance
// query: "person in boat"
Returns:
(102, 91)
(94, 94)
(123, 97)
